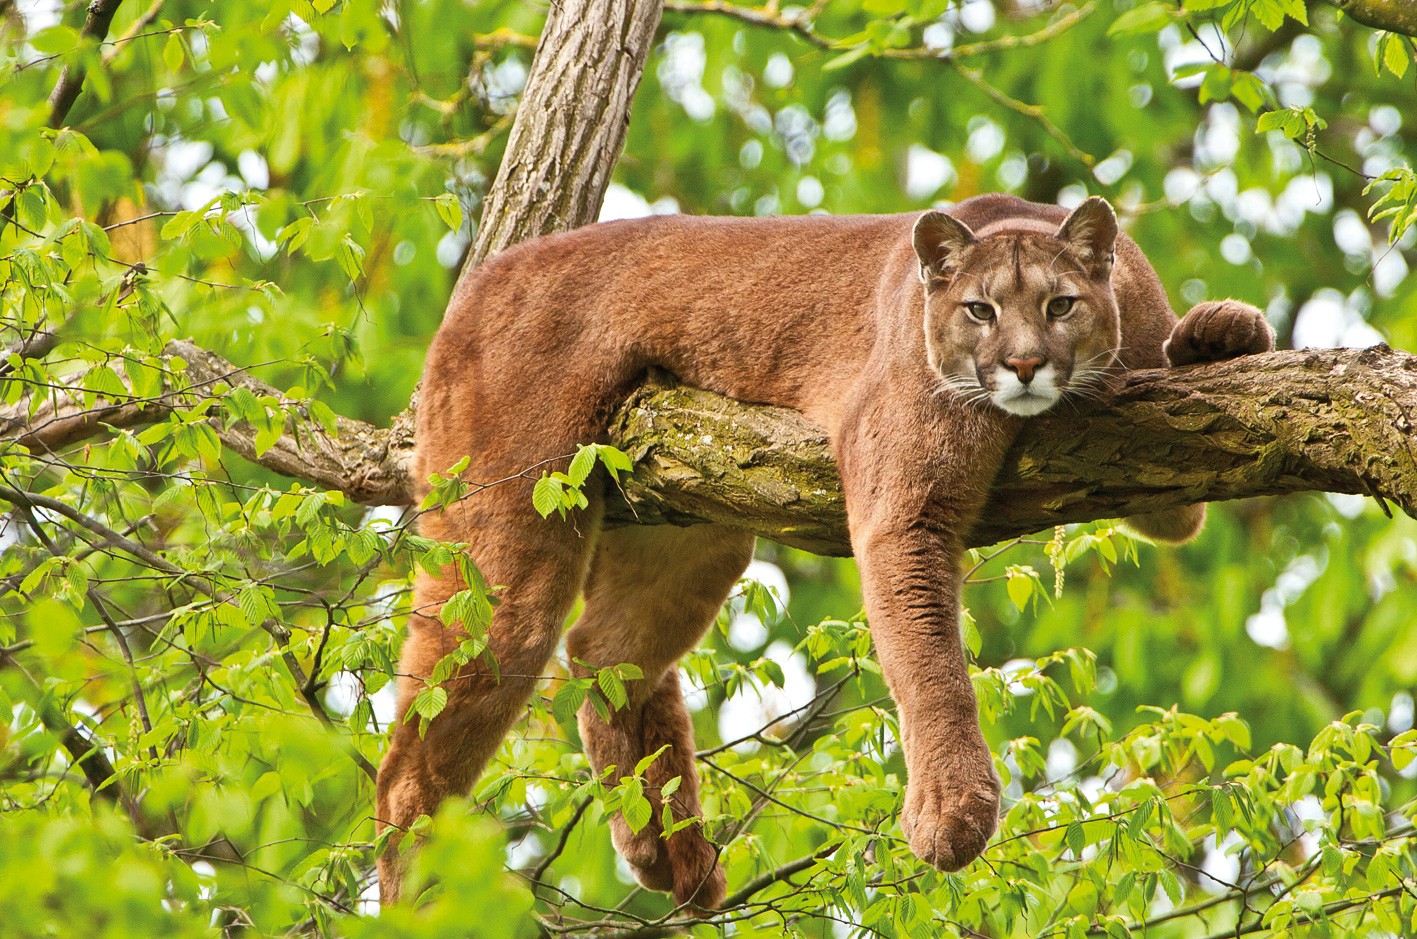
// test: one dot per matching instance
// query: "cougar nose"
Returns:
(1024, 365)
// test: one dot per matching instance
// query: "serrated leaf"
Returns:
(1395, 54)
(634, 806)
(611, 686)
(32, 207)
(105, 381)
(647, 761)
(350, 256)
(1075, 838)
(568, 701)
(430, 702)
(581, 465)
(546, 496)
(180, 224)
(614, 460)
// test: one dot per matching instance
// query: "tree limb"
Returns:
(367, 463)
(1336, 420)
(1397, 16)
(71, 80)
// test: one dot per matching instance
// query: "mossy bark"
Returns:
(1331, 420)
(1335, 420)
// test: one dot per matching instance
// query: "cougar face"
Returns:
(1020, 318)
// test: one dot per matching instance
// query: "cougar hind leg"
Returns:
(542, 564)
(650, 596)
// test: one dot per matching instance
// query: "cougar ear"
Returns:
(1091, 231)
(940, 240)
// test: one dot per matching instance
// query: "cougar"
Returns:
(921, 343)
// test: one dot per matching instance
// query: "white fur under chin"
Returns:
(1015, 397)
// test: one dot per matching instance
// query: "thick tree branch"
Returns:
(1335, 420)
(1329, 420)
(367, 463)
(1398, 16)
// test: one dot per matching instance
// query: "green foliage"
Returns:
(561, 492)
(197, 655)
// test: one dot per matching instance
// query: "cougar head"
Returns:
(1021, 317)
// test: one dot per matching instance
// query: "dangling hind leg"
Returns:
(650, 596)
(542, 564)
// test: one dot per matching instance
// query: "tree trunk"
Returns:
(570, 124)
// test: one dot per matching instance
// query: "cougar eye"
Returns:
(1060, 307)
(979, 312)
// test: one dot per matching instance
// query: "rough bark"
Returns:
(1336, 420)
(1331, 420)
(570, 124)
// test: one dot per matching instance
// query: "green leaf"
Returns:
(612, 687)
(614, 460)
(449, 210)
(635, 808)
(1394, 54)
(581, 465)
(1021, 586)
(351, 257)
(1147, 18)
(173, 53)
(55, 39)
(647, 761)
(546, 496)
(1075, 838)
(430, 702)
(568, 700)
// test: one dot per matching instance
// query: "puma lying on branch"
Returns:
(921, 343)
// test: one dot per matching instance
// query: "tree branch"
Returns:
(1329, 420)
(1397, 16)
(1336, 420)
(71, 80)
(367, 463)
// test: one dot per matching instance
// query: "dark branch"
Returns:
(71, 80)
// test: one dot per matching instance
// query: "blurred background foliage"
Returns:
(293, 185)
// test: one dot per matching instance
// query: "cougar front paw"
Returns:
(948, 822)
(1217, 330)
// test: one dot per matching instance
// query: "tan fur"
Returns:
(827, 315)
